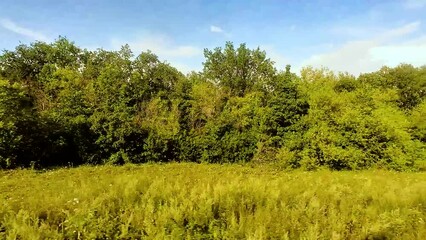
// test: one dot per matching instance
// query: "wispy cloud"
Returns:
(370, 54)
(401, 31)
(216, 29)
(160, 45)
(362, 32)
(408, 52)
(280, 61)
(183, 57)
(414, 4)
(13, 27)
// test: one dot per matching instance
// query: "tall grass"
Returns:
(190, 201)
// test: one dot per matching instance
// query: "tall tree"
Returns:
(239, 70)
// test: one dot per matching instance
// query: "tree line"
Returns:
(62, 105)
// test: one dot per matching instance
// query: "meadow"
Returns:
(120, 143)
(210, 201)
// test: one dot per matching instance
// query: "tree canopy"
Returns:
(64, 105)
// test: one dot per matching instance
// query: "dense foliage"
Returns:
(63, 105)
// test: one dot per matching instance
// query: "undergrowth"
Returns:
(200, 201)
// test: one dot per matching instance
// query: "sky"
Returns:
(348, 36)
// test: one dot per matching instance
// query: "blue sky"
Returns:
(354, 36)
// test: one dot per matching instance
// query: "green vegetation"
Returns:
(61, 105)
(200, 201)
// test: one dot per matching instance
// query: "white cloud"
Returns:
(186, 68)
(392, 54)
(360, 32)
(292, 27)
(12, 26)
(160, 45)
(352, 31)
(183, 51)
(184, 57)
(370, 54)
(401, 31)
(414, 4)
(216, 29)
(279, 59)
(353, 57)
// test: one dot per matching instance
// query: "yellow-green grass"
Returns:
(197, 201)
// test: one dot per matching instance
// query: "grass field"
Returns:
(190, 201)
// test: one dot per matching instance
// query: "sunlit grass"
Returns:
(190, 201)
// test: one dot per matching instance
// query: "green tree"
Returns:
(238, 70)
(408, 80)
(20, 132)
(287, 105)
(351, 130)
